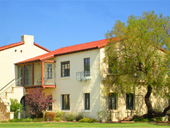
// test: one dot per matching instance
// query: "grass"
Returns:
(76, 124)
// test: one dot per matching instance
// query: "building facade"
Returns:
(72, 75)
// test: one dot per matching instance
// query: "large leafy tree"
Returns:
(140, 57)
(38, 101)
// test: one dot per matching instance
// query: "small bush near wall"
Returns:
(15, 106)
(89, 120)
(79, 116)
(69, 117)
(50, 116)
(59, 116)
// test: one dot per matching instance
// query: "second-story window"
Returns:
(49, 71)
(87, 67)
(65, 69)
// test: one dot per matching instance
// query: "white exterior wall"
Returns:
(76, 89)
(12, 55)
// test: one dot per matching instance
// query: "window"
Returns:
(87, 67)
(65, 68)
(112, 101)
(129, 101)
(49, 71)
(65, 102)
(87, 101)
(50, 105)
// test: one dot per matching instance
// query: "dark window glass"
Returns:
(65, 69)
(49, 71)
(50, 105)
(112, 101)
(23, 103)
(65, 102)
(87, 101)
(87, 67)
(129, 101)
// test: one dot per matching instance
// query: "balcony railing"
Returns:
(83, 76)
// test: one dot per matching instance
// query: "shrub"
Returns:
(89, 120)
(59, 114)
(15, 120)
(57, 119)
(143, 119)
(79, 116)
(158, 118)
(50, 115)
(15, 106)
(69, 117)
(27, 120)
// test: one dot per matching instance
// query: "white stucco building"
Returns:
(72, 75)
(9, 55)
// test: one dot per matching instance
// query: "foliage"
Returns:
(38, 101)
(79, 116)
(57, 119)
(158, 118)
(69, 116)
(50, 116)
(101, 115)
(89, 120)
(15, 106)
(59, 114)
(138, 55)
(21, 120)
(143, 119)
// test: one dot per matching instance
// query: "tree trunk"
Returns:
(150, 112)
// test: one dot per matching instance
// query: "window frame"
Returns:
(111, 102)
(65, 99)
(129, 101)
(86, 101)
(50, 107)
(87, 66)
(65, 69)
(49, 72)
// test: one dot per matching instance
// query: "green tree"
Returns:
(15, 106)
(138, 55)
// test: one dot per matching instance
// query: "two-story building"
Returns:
(9, 55)
(72, 75)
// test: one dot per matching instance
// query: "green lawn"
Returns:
(76, 124)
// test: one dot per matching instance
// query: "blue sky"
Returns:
(60, 23)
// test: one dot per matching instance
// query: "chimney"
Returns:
(27, 39)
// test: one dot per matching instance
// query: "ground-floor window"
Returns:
(50, 105)
(129, 101)
(112, 101)
(66, 102)
(87, 101)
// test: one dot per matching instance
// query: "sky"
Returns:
(60, 23)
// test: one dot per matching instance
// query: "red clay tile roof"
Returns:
(20, 43)
(11, 46)
(69, 49)
(41, 47)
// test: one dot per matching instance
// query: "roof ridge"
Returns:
(81, 43)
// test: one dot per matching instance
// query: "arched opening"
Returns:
(22, 102)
